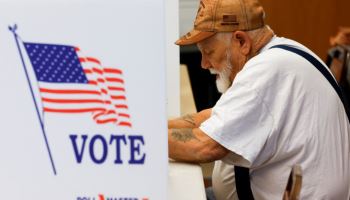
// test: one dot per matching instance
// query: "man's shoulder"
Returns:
(273, 66)
(277, 54)
(274, 59)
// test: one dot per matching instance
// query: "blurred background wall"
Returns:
(310, 22)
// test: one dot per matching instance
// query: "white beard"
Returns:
(223, 80)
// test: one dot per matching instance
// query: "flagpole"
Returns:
(13, 30)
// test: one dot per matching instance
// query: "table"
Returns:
(185, 182)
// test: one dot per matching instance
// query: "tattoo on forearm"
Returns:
(183, 134)
(189, 119)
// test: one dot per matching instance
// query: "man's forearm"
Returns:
(190, 120)
(192, 145)
(183, 144)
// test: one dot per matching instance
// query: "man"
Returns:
(276, 110)
(338, 60)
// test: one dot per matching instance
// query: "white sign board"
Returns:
(172, 58)
(83, 103)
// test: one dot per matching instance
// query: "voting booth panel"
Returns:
(83, 100)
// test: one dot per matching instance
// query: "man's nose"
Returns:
(205, 63)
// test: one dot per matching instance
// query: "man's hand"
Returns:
(342, 37)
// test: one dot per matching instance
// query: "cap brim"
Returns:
(194, 37)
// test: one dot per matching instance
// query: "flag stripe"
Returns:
(73, 110)
(125, 124)
(118, 97)
(116, 88)
(87, 71)
(118, 80)
(115, 71)
(76, 101)
(69, 91)
(99, 71)
(93, 82)
(106, 121)
(104, 113)
(121, 106)
(94, 60)
(124, 115)
(101, 80)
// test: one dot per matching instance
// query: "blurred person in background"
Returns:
(338, 60)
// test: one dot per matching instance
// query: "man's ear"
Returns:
(243, 40)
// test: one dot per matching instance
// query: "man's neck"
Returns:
(264, 37)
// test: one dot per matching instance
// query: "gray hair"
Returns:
(255, 35)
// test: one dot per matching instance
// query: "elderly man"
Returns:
(279, 107)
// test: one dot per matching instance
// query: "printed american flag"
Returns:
(71, 83)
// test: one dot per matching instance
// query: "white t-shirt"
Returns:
(281, 111)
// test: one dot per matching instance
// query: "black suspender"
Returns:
(244, 191)
(242, 176)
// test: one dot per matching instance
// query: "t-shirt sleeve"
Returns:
(241, 122)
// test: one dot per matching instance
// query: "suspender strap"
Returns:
(242, 176)
(244, 191)
(320, 67)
